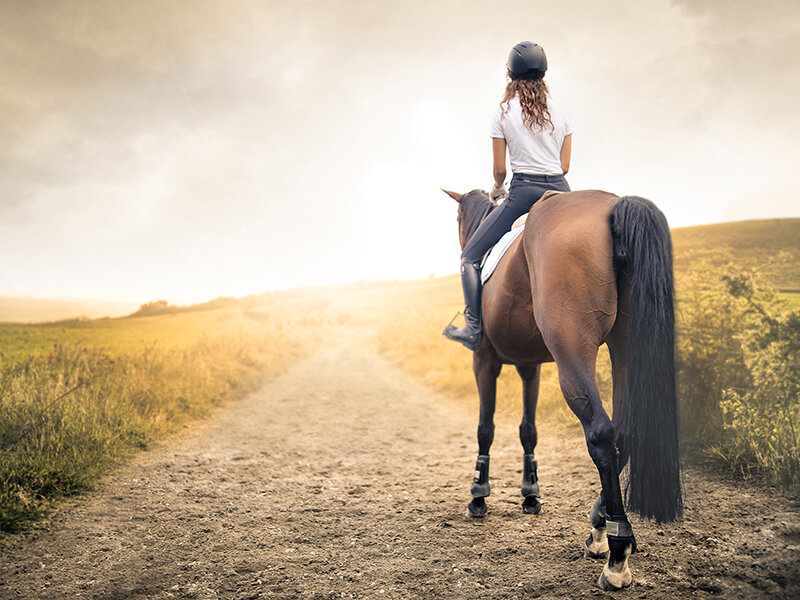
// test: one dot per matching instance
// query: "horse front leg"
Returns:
(527, 435)
(580, 391)
(487, 366)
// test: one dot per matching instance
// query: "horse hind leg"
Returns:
(597, 543)
(528, 436)
(487, 366)
(576, 376)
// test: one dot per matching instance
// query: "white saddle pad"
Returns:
(497, 252)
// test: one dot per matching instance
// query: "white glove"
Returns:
(498, 192)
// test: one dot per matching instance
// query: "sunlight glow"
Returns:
(198, 150)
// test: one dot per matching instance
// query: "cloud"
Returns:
(180, 146)
(747, 51)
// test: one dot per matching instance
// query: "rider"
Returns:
(538, 135)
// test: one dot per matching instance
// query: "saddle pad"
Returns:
(497, 252)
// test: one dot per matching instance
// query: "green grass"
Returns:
(792, 299)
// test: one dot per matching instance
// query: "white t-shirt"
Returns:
(532, 151)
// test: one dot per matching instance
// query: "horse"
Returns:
(590, 268)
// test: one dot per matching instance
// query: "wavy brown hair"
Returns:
(532, 92)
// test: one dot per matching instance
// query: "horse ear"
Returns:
(453, 195)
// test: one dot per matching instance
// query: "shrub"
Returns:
(739, 373)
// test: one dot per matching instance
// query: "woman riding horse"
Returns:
(590, 269)
(537, 132)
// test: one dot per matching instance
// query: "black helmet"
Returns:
(526, 58)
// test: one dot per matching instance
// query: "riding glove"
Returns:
(498, 192)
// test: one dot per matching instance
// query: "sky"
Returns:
(187, 149)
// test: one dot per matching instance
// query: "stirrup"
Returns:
(471, 341)
(455, 316)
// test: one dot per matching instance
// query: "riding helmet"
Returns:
(526, 58)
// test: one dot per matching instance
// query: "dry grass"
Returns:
(72, 408)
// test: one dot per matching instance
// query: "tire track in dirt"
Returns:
(346, 478)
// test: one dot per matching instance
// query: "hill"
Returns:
(771, 245)
(33, 310)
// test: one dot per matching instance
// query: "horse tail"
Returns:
(649, 423)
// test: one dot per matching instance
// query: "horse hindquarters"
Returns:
(575, 301)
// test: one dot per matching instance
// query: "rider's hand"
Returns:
(498, 192)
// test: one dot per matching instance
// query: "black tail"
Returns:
(649, 424)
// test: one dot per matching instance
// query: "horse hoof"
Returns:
(531, 506)
(614, 580)
(477, 511)
(596, 544)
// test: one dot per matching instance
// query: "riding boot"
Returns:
(470, 334)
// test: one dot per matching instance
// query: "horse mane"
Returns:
(473, 209)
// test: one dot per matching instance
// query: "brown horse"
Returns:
(590, 268)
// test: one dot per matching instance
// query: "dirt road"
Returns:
(345, 478)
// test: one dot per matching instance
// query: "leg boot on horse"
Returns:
(487, 367)
(583, 398)
(530, 486)
(528, 437)
(480, 488)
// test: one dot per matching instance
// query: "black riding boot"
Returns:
(470, 334)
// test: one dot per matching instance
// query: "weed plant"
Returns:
(739, 374)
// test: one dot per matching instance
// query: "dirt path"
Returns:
(344, 478)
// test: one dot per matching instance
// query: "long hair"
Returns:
(532, 92)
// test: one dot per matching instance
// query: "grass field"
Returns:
(792, 299)
(78, 396)
(175, 327)
(770, 245)
(35, 310)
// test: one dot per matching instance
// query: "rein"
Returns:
(485, 214)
